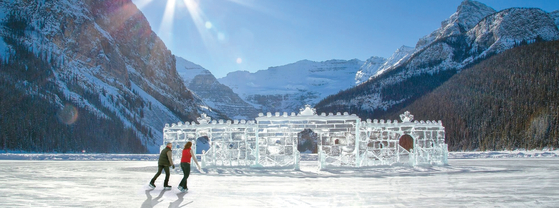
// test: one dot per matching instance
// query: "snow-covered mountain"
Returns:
(474, 32)
(103, 58)
(468, 14)
(216, 95)
(289, 87)
(376, 65)
(555, 16)
(371, 67)
(505, 29)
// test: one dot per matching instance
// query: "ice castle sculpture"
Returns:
(343, 140)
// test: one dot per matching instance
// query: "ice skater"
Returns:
(187, 154)
(165, 160)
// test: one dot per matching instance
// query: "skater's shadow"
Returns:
(177, 203)
(151, 202)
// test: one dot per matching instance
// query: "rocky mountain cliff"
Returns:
(473, 33)
(216, 95)
(289, 87)
(102, 59)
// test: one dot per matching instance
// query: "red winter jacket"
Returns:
(186, 156)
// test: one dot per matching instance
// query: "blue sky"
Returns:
(230, 35)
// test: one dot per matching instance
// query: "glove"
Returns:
(173, 166)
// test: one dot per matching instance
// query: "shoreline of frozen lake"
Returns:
(304, 157)
(528, 179)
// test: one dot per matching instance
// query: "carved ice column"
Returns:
(357, 146)
(445, 154)
(257, 146)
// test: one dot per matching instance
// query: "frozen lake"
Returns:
(500, 182)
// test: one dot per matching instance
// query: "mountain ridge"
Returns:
(288, 87)
(216, 95)
(438, 57)
(104, 60)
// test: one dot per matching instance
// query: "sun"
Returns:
(214, 36)
(204, 26)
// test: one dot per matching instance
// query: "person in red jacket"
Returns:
(187, 155)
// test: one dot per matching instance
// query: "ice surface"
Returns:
(511, 181)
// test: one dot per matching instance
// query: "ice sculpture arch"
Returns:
(344, 140)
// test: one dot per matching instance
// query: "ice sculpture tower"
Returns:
(343, 140)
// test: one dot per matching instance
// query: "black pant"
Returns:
(186, 171)
(167, 174)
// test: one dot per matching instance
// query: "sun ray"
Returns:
(203, 24)
(213, 37)
(165, 28)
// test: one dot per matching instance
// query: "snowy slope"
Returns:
(371, 67)
(468, 14)
(472, 33)
(400, 56)
(502, 30)
(376, 65)
(555, 16)
(188, 70)
(109, 50)
(289, 87)
(216, 95)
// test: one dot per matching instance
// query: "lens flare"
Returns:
(208, 25)
(220, 36)
(239, 60)
(199, 19)
(68, 114)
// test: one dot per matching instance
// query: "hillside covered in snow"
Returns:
(289, 87)
(86, 76)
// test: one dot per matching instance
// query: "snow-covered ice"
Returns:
(472, 179)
